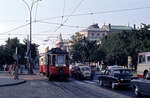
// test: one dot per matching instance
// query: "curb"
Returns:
(12, 84)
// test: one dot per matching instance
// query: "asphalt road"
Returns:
(39, 87)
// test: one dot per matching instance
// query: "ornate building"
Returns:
(116, 28)
(59, 42)
(93, 32)
(63, 44)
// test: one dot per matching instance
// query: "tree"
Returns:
(121, 45)
(8, 51)
(84, 50)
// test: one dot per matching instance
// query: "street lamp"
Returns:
(30, 11)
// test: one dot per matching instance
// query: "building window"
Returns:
(98, 34)
(103, 34)
(92, 34)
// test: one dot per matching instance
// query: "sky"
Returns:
(14, 15)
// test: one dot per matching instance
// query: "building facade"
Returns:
(93, 33)
(115, 28)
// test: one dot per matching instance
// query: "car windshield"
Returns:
(123, 72)
(60, 59)
(85, 69)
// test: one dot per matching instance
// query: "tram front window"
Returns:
(142, 59)
(61, 60)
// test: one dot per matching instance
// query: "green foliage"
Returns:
(84, 50)
(121, 45)
(7, 51)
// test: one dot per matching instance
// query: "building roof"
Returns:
(94, 28)
(116, 27)
(59, 39)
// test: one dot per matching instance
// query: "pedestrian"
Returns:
(5, 67)
(15, 68)
(10, 69)
(21, 69)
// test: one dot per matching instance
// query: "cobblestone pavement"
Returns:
(38, 86)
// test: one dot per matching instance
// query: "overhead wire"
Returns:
(69, 16)
(72, 26)
(63, 11)
(101, 12)
(14, 29)
(91, 13)
(74, 10)
(62, 17)
(35, 34)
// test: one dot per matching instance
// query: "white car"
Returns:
(82, 72)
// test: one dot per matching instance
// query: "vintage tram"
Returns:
(55, 64)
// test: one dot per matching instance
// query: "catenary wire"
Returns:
(101, 12)
(14, 29)
(69, 16)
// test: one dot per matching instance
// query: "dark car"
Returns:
(141, 86)
(115, 77)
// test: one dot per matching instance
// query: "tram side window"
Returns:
(67, 60)
(142, 59)
(49, 59)
(41, 61)
(148, 59)
(54, 60)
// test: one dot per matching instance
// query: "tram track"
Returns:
(75, 89)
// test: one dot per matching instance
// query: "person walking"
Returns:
(15, 68)
(21, 69)
(10, 69)
(5, 67)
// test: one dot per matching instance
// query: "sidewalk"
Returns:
(25, 72)
(8, 80)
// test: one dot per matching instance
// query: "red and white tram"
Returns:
(55, 64)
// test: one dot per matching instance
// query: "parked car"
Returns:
(112, 67)
(141, 86)
(81, 72)
(115, 77)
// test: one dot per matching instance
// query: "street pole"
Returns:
(30, 64)
(30, 11)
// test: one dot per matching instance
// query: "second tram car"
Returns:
(55, 64)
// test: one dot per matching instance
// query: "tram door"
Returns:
(48, 64)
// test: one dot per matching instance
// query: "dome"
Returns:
(94, 26)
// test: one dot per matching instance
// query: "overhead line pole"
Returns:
(30, 11)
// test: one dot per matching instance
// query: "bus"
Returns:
(143, 66)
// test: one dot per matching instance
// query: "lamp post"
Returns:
(30, 11)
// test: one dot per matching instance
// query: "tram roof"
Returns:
(57, 51)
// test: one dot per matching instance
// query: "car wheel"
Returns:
(136, 91)
(113, 86)
(101, 82)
